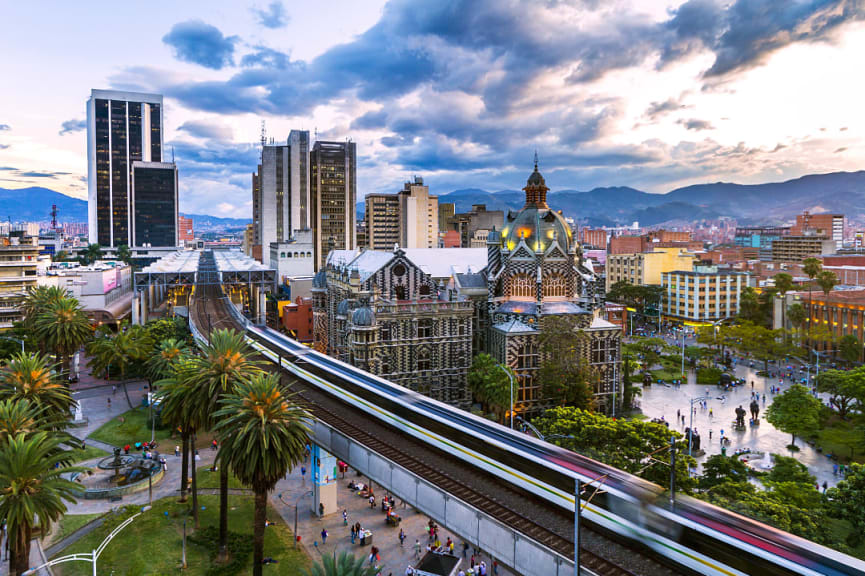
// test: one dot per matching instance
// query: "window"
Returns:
(385, 333)
(424, 290)
(400, 292)
(423, 361)
(555, 285)
(424, 328)
(522, 286)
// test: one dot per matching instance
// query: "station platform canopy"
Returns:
(235, 267)
(177, 269)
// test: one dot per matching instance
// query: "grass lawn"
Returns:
(666, 376)
(840, 530)
(67, 525)
(839, 436)
(134, 427)
(208, 479)
(151, 544)
(88, 453)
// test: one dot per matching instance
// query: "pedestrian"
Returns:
(417, 548)
(825, 486)
(213, 445)
(109, 403)
(353, 534)
(303, 474)
(344, 517)
(113, 389)
(321, 509)
(401, 538)
(372, 501)
(324, 536)
(834, 469)
(126, 449)
(465, 548)
(197, 456)
(177, 451)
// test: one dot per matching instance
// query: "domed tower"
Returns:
(319, 311)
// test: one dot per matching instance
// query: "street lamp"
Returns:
(691, 423)
(511, 378)
(296, 503)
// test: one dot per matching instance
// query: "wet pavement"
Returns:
(659, 400)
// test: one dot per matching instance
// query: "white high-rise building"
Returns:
(419, 216)
(122, 128)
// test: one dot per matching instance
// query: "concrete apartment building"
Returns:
(382, 221)
(333, 194)
(446, 212)
(797, 248)
(703, 295)
(467, 223)
(646, 268)
(595, 237)
(419, 216)
(18, 263)
(829, 225)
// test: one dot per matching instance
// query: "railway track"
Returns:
(541, 521)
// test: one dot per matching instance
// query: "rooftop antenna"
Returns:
(315, 130)
(172, 154)
(263, 134)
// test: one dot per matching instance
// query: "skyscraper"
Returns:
(333, 192)
(154, 204)
(419, 216)
(280, 192)
(122, 128)
(382, 221)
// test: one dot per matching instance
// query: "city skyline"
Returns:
(651, 95)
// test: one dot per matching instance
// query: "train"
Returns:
(692, 534)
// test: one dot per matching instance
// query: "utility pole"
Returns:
(577, 510)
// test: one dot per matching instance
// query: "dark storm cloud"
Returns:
(200, 43)
(265, 57)
(40, 174)
(273, 17)
(696, 124)
(202, 129)
(71, 126)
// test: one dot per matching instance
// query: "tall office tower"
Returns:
(419, 216)
(154, 204)
(280, 192)
(382, 221)
(333, 194)
(446, 211)
(122, 128)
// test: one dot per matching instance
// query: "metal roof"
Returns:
(176, 262)
(236, 261)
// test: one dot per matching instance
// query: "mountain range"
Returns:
(771, 204)
(34, 205)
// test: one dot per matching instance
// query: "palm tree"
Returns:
(811, 267)
(226, 359)
(124, 254)
(180, 409)
(344, 564)
(783, 283)
(64, 327)
(19, 417)
(38, 299)
(263, 434)
(121, 351)
(160, 364)
(29, 377)
(61, 256)
(92, 253)
(31, 486)
(796, 314)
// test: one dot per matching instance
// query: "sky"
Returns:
(643, 93)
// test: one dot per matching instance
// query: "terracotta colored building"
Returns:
(627, 245)
(669, 236)
(296, 318)
(596, 238)
(185, 232)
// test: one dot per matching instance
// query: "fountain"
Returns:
(766, 462)
(119, 474)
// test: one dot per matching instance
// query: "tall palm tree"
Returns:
(19, 417)
(31, 486)
(343, 564)
(64, 327)
(124, 254)
(168, 352)
(811, 267)
(121, 351)
(29, 377)
(92, 253)
(225, 360)
(263, 435)
(38, 299)
(181, 410)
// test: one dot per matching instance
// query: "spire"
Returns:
(536, 189)
(536, 159)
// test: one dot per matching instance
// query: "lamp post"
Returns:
(511, 378)
(296, 504)
(683, 351)
(691, 423)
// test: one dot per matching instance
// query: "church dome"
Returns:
(363, 316)
(536, 223)
(342, 308)
(320, 279)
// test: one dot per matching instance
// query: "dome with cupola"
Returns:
(536, 224)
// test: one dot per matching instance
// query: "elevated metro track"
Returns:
(518, 482)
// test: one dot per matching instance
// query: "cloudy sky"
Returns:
(645, 93)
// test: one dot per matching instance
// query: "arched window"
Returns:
(309, 254)
(423, 361)
(522, 286)
(289, 254)
(424, 290)
(424, 328)
(400, 292)
(555, 285)
(282, 254)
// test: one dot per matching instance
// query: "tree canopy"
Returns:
(489, 382)
(846, 389)
(564, 376)
(795, 412)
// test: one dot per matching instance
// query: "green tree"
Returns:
(91, 254)
(849, 348)
(827, 280)
(564, 376)
(124, 254)
(811, 267)
(224, 362)
(168, 328)
(38, 299)
(846, 389)
(848, 501)
(795, 412)
(622, 443)
(489, 382)
(263, 435)
(750, 308)
(630, 389)
(168, 352)
(721, 469)
(63, 327)
(20, 417)
(121, 351)
(60, 256)
(787, 469)
(796, 315)
(343, 564)
(31, 487)
(29, 377)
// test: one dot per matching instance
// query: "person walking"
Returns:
(344, 517)
(401, 538)
(324, 536)
(353, 534)
(417, 548)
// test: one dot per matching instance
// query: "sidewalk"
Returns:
(394, 558)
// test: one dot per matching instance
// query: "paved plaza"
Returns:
(664, 400)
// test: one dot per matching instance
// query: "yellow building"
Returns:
(704, 295)
(17, 275)
(646, 268)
